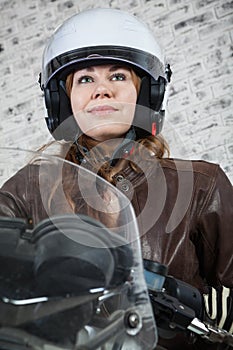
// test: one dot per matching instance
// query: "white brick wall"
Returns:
(198, 39)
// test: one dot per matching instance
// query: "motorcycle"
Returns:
(73, 278)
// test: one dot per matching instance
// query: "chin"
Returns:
(103, 135)
(103, 138)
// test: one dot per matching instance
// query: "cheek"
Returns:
(80, 97)
(131, 96)
(77, 102)
(130, 100)
(128, 113)
(77, 105)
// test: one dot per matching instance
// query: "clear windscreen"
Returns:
(71, 273)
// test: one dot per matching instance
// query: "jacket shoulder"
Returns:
(196, 166)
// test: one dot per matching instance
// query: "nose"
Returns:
(102, 91)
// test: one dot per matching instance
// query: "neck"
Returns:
(108, 147)
(106, 150)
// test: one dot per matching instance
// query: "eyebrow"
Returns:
(111, 69)
(118, 66)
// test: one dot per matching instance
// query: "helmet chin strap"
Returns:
(123, 150)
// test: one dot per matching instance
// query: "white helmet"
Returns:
(103, 36)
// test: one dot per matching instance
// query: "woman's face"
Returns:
(103, 100)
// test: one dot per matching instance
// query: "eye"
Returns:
(85, 79)
(118, 77)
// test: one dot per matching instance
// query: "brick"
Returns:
(199, 20)
(224, 9)
(179, 104)
(218, 56)
(198, 83)
(51, 25)
(201, 4)
(24, 85)
(230, 149)
(150, 7)
(18, 109)
(65, 5)
(209, 77)
(186, 39)
(195, 149)
(28, 21)
(8, 4)
(183, 146)
(227, 118)
(178, 148)
(165, 37)
(8, 31)
(29, 7)
(130, 4)
(175, 119)
(201, 48)
(202, 95)
(214, 154)
(220, 156)
(189, 70)
(200, 128)
(172, 16)
(34, 135)
(215, 28)
(219, 104)
(176, 59)
(13, 47)
(8, 17)
(32, 23)
(223, 134)
(223, 87)
(181, 93)
(231, 34)
(175, 3)
(224, 163)
(210, 108)
(178, 88)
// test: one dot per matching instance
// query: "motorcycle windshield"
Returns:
(71, 273)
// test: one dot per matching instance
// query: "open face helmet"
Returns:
(103, 36)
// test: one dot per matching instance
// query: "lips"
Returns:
(102, 109)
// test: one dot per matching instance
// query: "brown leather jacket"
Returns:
(184, 211)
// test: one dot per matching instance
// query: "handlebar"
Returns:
(178, 306)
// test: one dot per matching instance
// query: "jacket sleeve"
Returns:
(15, 195)
(20, 195)
(216, 249)
(34, 193)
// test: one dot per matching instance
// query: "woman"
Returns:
(105, 93)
